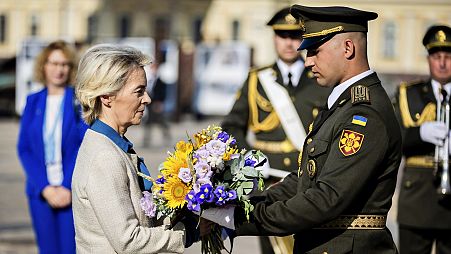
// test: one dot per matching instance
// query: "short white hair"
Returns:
(103, 70)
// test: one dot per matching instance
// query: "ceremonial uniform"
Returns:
(253, 111)
(338, 200)
(424, 216)
(347, 178)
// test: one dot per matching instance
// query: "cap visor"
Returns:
(314, 41)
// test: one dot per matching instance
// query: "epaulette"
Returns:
(360, 94)
(412, 83)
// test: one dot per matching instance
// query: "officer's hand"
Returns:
(433, 132)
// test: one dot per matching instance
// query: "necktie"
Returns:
(444, 95)
(290, 84)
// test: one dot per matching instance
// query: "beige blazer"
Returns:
(106, 203)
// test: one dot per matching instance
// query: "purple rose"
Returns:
(216, 148)
(185, 175)
(147, 204)
(201, 154)
(203, 170)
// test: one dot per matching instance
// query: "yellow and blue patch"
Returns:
(359, 120)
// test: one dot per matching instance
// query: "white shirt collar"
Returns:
(436, 88)
(338, 90)
(295, 69)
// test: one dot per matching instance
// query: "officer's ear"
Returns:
(349, 48)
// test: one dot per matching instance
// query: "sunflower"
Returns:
(175, 192)
(184, 147)
(173, 163)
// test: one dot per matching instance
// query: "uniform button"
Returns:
(312, 150)
(417, 116)
(309, 141)
(324, 252)
(286, 162)
(408, 184)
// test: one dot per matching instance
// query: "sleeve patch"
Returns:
(350, 142)
(359, 120)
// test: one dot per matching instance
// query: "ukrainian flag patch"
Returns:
(359, 120)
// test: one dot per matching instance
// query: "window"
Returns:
(389, 45)
(34, 26)
(197, 27)
(235, 30)
(2, 28)
(124, 26)
(93, 23)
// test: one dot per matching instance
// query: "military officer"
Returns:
(423, 216)
(339, 199)
(257, 117)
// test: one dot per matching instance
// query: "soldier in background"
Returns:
(425, 218)
(256, 119)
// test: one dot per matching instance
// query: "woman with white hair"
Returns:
(111, 87)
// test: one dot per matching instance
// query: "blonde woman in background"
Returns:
(111, 86)
(51, 131)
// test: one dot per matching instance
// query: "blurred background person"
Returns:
(111, 86)
(156, 113)
(51, 131)
(255, 119)
(424, 217)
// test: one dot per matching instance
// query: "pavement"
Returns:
(16, 233)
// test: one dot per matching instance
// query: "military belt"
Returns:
(420, 162)
(356, 222)
(274, 146)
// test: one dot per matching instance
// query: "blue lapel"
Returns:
(68, 115)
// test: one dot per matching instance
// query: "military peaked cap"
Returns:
(437, 38)
(283, 20)
(322, 23)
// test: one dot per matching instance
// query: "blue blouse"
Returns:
(124, 144)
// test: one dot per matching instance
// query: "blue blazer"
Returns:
(30, 145)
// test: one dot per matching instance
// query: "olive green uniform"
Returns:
(339, 200)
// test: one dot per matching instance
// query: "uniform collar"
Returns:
(103, 128)
(436, 88)
(295, 69)
(338, 90)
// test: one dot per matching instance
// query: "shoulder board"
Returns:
(261, 68)
(360, 94)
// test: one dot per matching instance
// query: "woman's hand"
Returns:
(57, 196)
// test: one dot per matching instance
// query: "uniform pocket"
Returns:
(317, 147)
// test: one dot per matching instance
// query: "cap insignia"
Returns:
(290, 19)
(440, 36)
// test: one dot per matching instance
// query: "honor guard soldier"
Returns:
(274, 108)
(424, 212)
(339, 199)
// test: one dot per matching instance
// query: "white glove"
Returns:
(222, 216)
(433, 132)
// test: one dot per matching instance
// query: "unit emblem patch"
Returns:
(350, 142)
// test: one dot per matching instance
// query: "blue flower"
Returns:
(205, 194)
(193, 206)
(231, 195)
(221, 195)
(249, 162)
(223, 136)
(160, 180)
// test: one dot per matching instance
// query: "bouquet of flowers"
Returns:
(207, 171)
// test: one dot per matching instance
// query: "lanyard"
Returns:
(49, 139)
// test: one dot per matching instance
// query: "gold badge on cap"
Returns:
(440, 36)
(311, 168)
(290, 19)
(350, 142)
